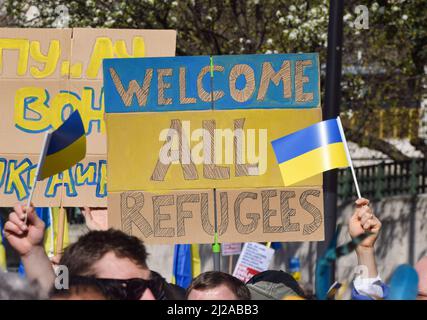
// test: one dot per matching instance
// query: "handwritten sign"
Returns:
(239, 156)
(255, 258)
(45, 74)
(191, 125)
(230, 249)
(239, 82)
(177, 216)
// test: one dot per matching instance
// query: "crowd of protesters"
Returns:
(109, 264)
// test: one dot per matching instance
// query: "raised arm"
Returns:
(368, 283)
(364, 220)
(27, 240)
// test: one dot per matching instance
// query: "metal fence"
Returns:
(384, 180)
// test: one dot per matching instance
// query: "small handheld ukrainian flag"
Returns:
(62, 149)
(310, 151)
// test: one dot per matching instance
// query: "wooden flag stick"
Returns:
(230, 264)
(39, 164)
(347, 152)
(61, 228)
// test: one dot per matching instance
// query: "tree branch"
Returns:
(375, 143)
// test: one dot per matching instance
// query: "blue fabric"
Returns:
(305, 140)
(70, 131)
(182, 267)
(276, 245)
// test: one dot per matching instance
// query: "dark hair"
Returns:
(213, 279)
(91, 247)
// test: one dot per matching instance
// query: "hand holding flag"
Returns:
(61, 150)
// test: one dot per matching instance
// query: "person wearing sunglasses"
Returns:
(109, 259)
(117, 289)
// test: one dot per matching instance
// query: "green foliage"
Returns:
(383, 66)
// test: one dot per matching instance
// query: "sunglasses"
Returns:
(117, 289)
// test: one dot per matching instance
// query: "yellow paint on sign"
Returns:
(200, 149)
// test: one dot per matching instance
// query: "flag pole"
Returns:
(39, 164)
(61, 228)
(216, 247)
(347, 152)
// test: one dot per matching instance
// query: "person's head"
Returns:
(13, 287)
(421, 267)
(107, 256)
(274, 285)
(214, 285)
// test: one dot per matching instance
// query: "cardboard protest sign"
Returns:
(288, 214)
(206, 123)
(45, 74)
(164, 218)
(206, 142)
(28, 53)
(291, 214)
(262, 81)
(239, 82)
(255, 258)
(16, 173)
(85, 179)
(151, 81)
(119, 43)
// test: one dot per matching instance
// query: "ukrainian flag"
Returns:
(50, 217)
(310, 151)
(3, 264)
(64, 147)
(186, 264)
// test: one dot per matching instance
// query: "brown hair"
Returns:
(91, 247)
(213, 279)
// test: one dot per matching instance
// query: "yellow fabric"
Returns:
(50, 247)
(195, 260)
(314, 162)
(2, 255)
(63, 159)
(3, 264)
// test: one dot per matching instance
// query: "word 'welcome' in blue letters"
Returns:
(186, 83)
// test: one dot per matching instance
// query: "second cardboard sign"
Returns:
(291, 214)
